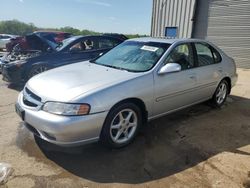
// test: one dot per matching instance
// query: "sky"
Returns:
(117, 16)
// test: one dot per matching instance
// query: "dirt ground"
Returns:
(197, 147)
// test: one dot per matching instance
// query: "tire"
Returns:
(121, 125)
(37, 69)
(220, 94)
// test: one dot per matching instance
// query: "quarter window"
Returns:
(217, 56)
(183, 55)
(204, 54)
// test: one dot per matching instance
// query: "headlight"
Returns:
(66, 109)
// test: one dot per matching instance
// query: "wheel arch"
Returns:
(228, 80)
(138, 102)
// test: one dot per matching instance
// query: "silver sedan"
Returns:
(110, 98)
(4, 39)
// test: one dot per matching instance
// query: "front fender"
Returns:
(104, 99)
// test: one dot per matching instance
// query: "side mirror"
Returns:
(49, 49)
(170, 67)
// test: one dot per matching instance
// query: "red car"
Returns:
(54, 36)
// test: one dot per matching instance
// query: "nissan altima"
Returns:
(110, 98)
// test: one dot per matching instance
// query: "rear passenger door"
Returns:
(209, 69)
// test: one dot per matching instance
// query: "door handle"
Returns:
(220, 70)
(193, 77)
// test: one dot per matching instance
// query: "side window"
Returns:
(86, 44)
(107, 43)
(5, 37)
(183, 55)
(217, 56)
(204, 54)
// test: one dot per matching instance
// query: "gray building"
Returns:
(223, 22)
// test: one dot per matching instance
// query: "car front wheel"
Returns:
(121, 125)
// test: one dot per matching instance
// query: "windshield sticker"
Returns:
(149, 48)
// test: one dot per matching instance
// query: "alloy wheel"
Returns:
(123, 126)
(221, 93)
(38, 70)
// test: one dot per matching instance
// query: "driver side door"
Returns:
(177, 89)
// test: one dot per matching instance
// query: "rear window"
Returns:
(204, 54)
(217, 56)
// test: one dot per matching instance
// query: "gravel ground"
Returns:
(197, 147)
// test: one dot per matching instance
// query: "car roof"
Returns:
(165, 40)
(99, 36)
(48, 31)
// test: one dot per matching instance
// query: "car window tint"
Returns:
(217, 56)
(86, 44)
(183, 55)
(204, 54)
(107, 43)
(5, 37)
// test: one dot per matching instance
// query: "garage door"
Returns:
(229, 28)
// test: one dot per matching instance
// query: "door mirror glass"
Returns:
(49, 49)
(170, 67)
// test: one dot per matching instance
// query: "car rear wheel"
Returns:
(220, 94)
(37, 70)
(121, 125)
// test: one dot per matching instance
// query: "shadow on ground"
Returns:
(166, 146)
(17, 87)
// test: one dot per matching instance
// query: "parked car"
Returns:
(22, 42)
(14, 41)
(109, 99)
(23, 66)
(34, 46)
(4, 39)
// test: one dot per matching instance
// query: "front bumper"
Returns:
(234, 79)
(12, 73)
(62, 130)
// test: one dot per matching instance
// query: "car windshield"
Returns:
(133, 56)
(52, 44)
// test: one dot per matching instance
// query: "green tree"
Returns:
(16, 27)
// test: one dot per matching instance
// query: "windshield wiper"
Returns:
(105, 65)
(114, 67)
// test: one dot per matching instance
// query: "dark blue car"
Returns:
(19, 66)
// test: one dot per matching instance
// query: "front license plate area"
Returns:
(20, 111)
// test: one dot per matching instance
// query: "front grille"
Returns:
(28, 103)
(30, 98)
(33, 95)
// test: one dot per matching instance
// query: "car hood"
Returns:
(68, 82)
(38, 42)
